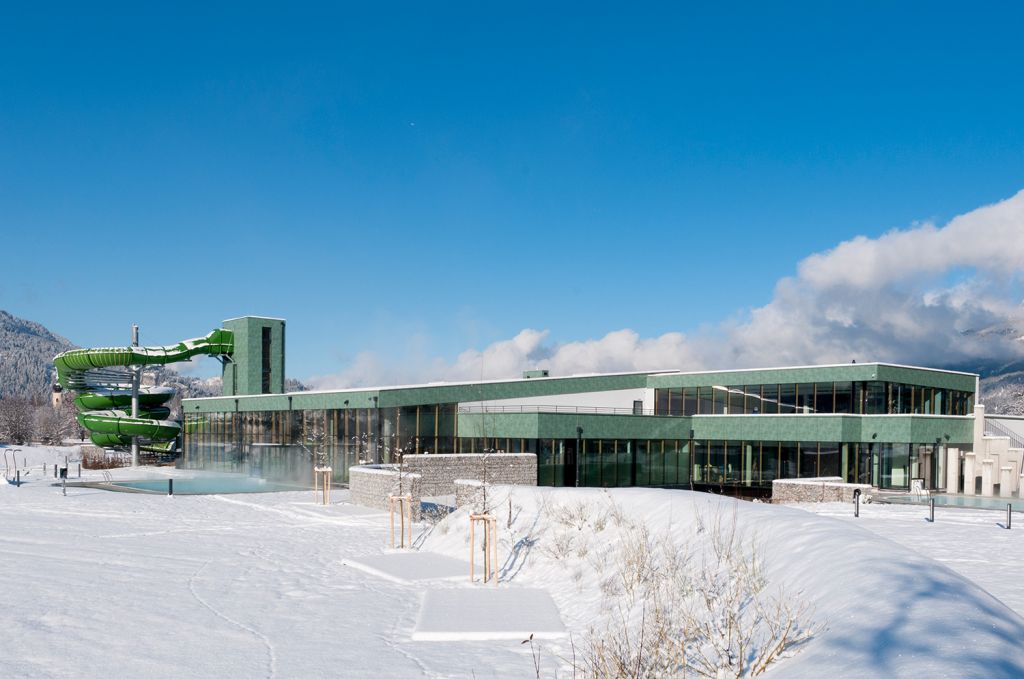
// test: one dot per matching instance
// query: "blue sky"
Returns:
(415, 180)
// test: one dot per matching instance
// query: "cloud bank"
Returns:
(940, 296)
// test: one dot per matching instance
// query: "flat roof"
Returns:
(262, 318)
(427, 385)
(820, 365)
(520, 387)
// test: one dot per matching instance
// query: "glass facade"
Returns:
(803, 398)
(283, 445)
(610, 463)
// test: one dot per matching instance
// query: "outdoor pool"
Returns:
(206, 485)
(969, 501)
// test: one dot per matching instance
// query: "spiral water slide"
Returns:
(103, 379)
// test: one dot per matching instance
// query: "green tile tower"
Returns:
(257, 366)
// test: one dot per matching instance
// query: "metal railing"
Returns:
(992, 426)
(590, 410)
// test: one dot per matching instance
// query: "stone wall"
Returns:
(370, 485)
(821, 489)
(439, 472)
(469, 492)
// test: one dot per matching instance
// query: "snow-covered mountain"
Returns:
(26, 357)
(1002, 380)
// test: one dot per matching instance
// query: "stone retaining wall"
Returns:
(469, 492)
(370, 485)
(821, 489)
(439, 472)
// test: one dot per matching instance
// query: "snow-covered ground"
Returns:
(972, 542)
(115, 584)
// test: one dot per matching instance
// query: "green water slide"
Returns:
(103, 382)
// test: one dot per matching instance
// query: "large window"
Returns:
(894, 459)
(265, 365)
(875, 398)
(690, 401)
(787, 399)
(789, 454)
(829, 463)
(805, 398)
(754, 405)
(736, 398)
(824, 397)
(769, 461)
(844, 397)
(808, 460)
(734, 462)
(863, 398)
(720, 395)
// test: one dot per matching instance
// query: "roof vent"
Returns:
(531, 374)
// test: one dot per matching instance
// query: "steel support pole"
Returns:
(136, 378)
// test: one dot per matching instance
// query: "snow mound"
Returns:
(872, 607)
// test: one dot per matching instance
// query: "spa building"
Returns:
(732, 431)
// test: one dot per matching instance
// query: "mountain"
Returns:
(1002, 380)
(26, 357)
(26, 365)
(1003, 394)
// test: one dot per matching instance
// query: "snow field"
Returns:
(101, 584)
(875, 607)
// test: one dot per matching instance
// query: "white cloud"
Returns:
(870, 299)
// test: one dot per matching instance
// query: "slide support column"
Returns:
(136, 379)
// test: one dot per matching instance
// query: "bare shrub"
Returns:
(577, 516)
(560, 545)
(104, 459)
(706, 614)
(617, 514)
(635, 559)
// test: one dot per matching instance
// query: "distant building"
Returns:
(56, 396)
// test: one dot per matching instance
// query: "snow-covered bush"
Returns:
(710, 613)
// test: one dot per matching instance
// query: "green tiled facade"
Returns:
(876, 423)
(257, 364)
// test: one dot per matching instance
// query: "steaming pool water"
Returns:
(205, 485)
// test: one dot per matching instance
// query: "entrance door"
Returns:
(867, 461)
